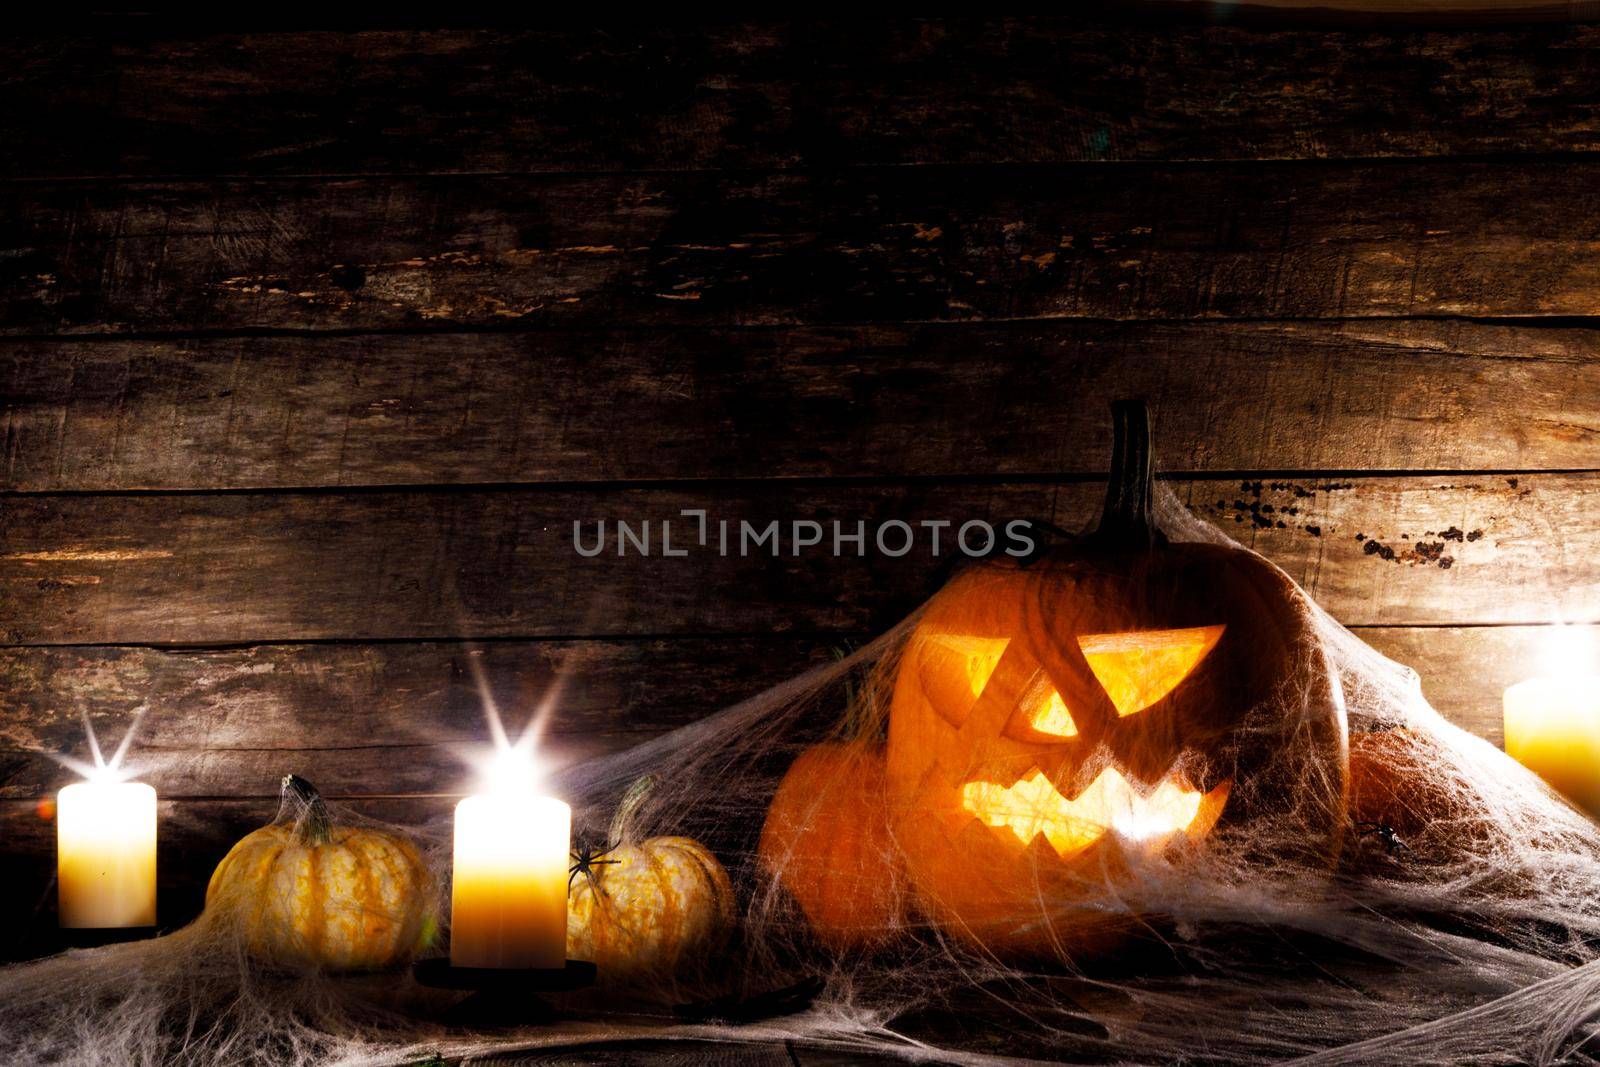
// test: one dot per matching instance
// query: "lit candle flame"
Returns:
(511, 768)
(102, 770)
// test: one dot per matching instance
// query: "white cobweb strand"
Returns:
(1522, 866)
(1476, 945)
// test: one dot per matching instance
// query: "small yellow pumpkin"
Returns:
(645, 912)
(305, 892)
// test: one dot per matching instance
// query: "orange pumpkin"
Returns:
(1389, 784)
(305, 892)
(1401, 781)
(1054, 721)
(827, 841)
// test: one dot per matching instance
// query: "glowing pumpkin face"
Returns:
(1059, 727)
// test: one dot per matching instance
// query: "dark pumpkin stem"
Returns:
(1128, 519)
(303, 805)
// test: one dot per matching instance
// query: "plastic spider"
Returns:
(1385, 834)
(585, 860)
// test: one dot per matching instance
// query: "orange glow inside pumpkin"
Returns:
(1138, 669)
(1032, 806)
(976, 657)
(1135, 670)
(1052, 717)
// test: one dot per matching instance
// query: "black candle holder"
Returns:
(504, 996)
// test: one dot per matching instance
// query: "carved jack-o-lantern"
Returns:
(1123, 697)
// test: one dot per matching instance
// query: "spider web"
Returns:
(1472, 943)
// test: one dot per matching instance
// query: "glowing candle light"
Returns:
(1553, 720)
(508, 898)
(106, 853)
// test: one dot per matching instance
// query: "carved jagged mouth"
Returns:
(1032, 806)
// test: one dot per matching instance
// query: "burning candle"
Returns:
(508, 898)
(1553, 720)
(106, 854)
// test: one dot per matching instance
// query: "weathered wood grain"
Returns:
(362, 719)
(162, 100)
(872, 401)
(246, 567)
(406, 717)
(648, 254)
(408, 768)
(899, 244)
(1465, 671)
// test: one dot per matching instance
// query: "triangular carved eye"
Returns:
(956, 668)
(1137, 669)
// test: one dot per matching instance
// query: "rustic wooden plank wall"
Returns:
(313, 345)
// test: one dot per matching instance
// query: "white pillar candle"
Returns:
(106, 855)
(1553, 729)
(508, 898)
